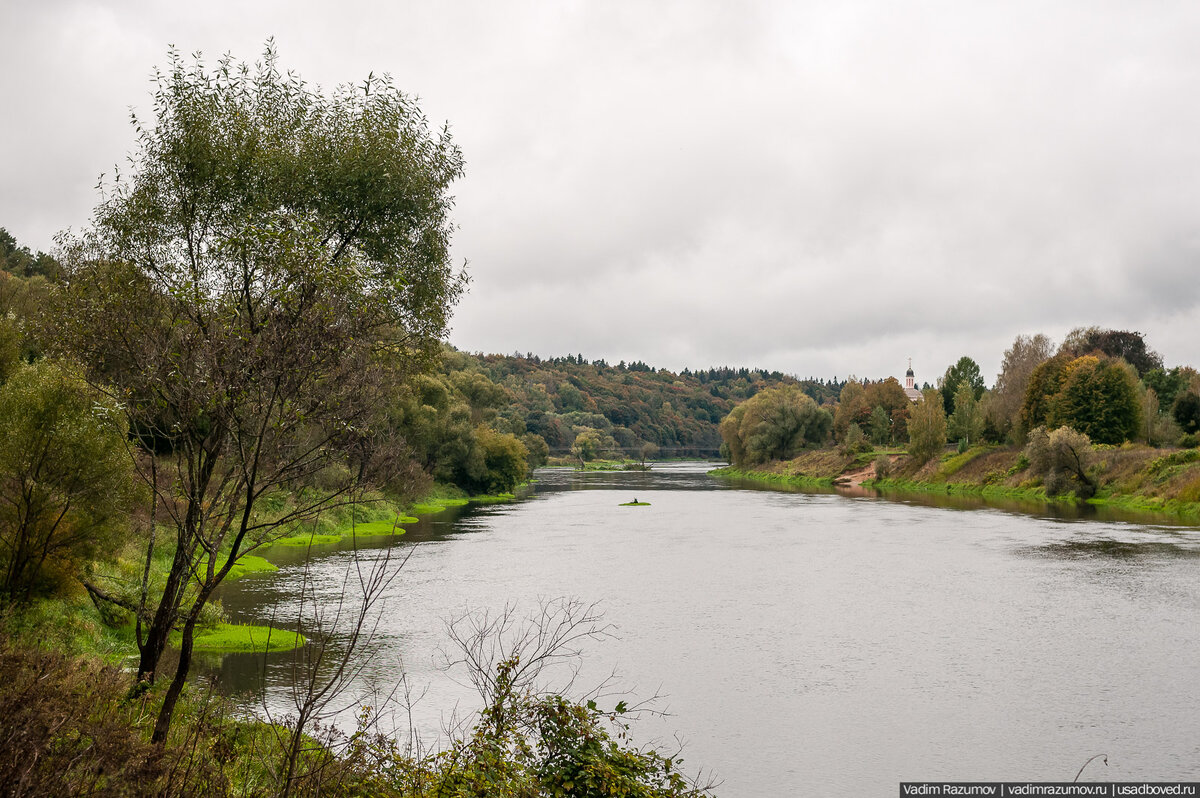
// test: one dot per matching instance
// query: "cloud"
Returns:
(816, 187)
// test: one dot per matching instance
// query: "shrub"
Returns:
(1063, 459)
(856, 442)
(65, 478)
(883, 466)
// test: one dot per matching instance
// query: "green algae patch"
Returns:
(493, 498)
(634, 504)
(422, 508)
(250, 564)
(227, 638)
(246, 564)
(305, 540)
(363, 529)
(382, 527)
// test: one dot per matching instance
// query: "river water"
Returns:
(806, 642)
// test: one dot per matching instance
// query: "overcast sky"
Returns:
(821, 188)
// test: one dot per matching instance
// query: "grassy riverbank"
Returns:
(73, 623)
(811, 468)
(1129, 477)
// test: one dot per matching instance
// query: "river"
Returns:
(810, 642)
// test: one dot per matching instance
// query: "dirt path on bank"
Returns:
(856, 478)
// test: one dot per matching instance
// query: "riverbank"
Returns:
(74, 623)
(1130, 477)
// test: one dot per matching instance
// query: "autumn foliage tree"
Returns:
(1093, 395)
(1127, 345)
(854, 407)
(1016, 369)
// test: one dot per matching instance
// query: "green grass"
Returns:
(951, 465)
(967, 489)
(227, 638)
(798, 480)
(634, 504)
(493, 498)
(424, 508)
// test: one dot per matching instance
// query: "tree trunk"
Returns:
(164, 617)
(163, 724)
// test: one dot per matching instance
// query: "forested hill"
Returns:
(628, 405)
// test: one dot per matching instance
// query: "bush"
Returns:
(1062, 458)
(883, 466)
(65, 478)
(1190, 440)
(856, 442)
(67, 732)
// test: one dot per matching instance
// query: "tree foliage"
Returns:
(1062, 458)
(1169, 383)
(65, 478)
(853, 407)
(881, 426)
(1016, 369)
(20, 262)
(1098, 398)
(966, 422)
(774, 424)
(1186, 411)
(1124, 344)
(927, 427)
(276, 258)
(1044, 384)
(965, 371)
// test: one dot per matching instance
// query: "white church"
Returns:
(909, 389)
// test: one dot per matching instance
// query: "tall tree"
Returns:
(274, 256)
(853, 408)
(966, 371)
(1099, 398)
(774, 424)
(927, 427)
(881, 426)
(1044, 384)
(1020, 359)
(1186, 411)
(966, 422)
(1125, 344)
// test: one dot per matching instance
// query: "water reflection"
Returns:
(814, 640)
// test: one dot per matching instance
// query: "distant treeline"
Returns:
(627, 408)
